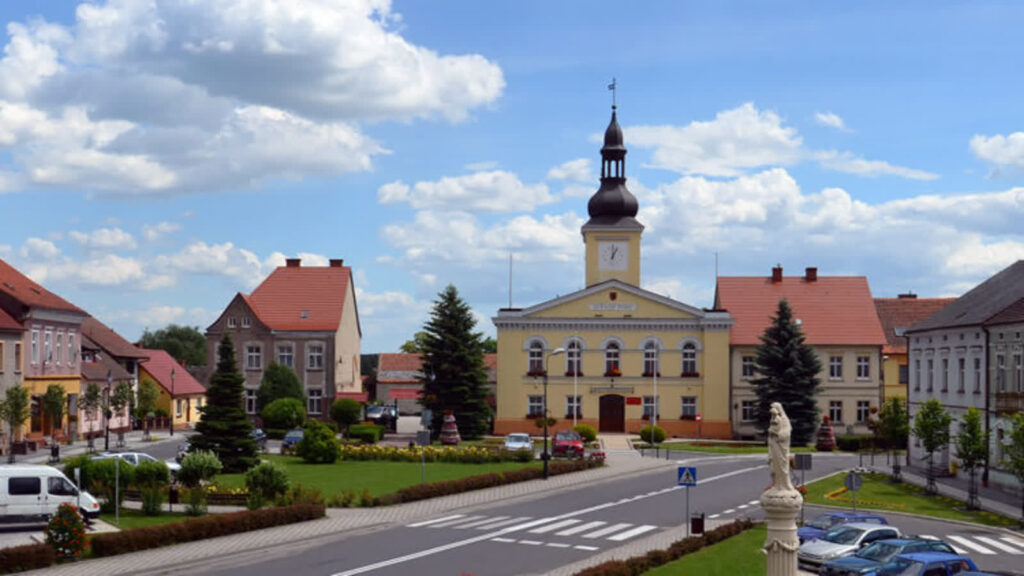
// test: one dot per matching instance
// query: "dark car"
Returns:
(926, 564)
(822, 523)
(567, 443)
(291, 438)
(383, 415)
(260, 437)
(877, 554)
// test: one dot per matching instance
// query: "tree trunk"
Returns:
(931, 475)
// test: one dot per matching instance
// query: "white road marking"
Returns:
(506, 540)
(555, 526)
(634, 532)
(742, 506)
(609, 530)
(754, 502)
(965, 542)
(485, 521)
(452, 523)
(581, 528)
(429, 522)
(491, 525)
(997, 544)
(1014, 541)
(729, 511)
(531, 542)
(483, 537)
(713, 516)
(558, 544)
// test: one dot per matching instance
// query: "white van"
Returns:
(33, 491)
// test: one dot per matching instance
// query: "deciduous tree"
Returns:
(184, 343)
(972, 451)
(931, 427)
(1013, 455)
(894, 428)
(55, 400)
(14, 410)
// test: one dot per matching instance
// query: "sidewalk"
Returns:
(991, 500)
(132, 441)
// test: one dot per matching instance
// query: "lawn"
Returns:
(379, 477)
(740, 554)
(131, 518)
(880, 493)
(720, 448)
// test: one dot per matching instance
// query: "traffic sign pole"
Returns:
(687, 519)
(687, 476)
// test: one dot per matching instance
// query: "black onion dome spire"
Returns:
(613, 203)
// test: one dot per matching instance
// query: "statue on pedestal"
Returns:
(779, 433)
(781, 502)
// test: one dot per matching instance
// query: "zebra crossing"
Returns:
(541, 527)
(990, 544)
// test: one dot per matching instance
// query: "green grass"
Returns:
(740, 554)
(131, 518)
(722, 448)
(378, 477)
(879, 493)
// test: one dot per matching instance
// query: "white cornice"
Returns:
(611, 324)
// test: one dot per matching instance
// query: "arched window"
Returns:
(611, 360)
(535, 358)
(689, 359)
(651, 363)
(574, 359)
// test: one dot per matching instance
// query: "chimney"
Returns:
(777, 274)
(908, 296)
(293, 262)
(812, 274)
(336, 262)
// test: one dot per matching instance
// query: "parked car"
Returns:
(568, 443)
(260, 437)
(926, 564)
(876, 555)
(291, 438)
(29, 492)
(518, 441)
(135, 458)
(822, 523)
(384, 415)
(842, 541)
(183, 450)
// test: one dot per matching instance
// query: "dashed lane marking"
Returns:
(505, 540)
(531, 542)
(587, 548)
(558, 545)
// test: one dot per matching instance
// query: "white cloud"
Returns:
(158, 316)
(734, 142)
(481, 166)
(237, 264)
(384, 314)
(847, 162)
(578, 170)
(277, 259)
(104, 239)
(1000, 151)
(154, 232)
(107, 271)
(830, 120)
(495, 191)
(39, 249)
(976, 258)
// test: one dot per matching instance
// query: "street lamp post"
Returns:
(545, 456)
(171, 410)
(107, 413)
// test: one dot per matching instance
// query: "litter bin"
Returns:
(696, 523)
(55, 452)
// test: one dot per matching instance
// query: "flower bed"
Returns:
(467, 455)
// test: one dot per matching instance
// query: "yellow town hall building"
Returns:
(615, 356)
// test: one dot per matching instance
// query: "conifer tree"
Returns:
(224, 428)
(453, 367)
(787, 371)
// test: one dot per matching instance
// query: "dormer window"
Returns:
(246, 322)
(304, 314)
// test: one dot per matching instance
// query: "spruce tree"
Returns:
(453, 367)
(788, 373)
(224, 428)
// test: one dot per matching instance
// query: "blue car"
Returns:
(877, 554)
(291, 438)
(922, 563)
(822, 523)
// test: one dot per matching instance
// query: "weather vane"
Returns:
(612, 88)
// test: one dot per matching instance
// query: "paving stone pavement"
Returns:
(184, 558)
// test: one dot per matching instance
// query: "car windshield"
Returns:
(879, 552)
(823, 522)
(374, 410)
(843, 535)
(518, 438)
(146, 458)
(567, 436)
(294, 434)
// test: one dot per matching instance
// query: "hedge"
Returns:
(655, 558)
(368, 433)
(25, 558)
(853, 442)
(113, 543)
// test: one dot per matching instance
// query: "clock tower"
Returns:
(612, 235)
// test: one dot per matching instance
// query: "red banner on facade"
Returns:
(634, 400)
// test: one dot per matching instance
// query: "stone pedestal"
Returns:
(782, 507)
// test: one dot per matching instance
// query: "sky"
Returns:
(158, 157)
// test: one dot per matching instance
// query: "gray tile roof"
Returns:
(980, 304)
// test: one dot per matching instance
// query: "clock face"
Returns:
(612, 255)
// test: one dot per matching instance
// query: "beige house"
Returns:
(838, 318)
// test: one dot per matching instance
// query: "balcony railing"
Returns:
(1011, 402)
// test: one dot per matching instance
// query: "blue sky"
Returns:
(156, 158)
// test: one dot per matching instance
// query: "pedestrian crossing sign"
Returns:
(687, 476)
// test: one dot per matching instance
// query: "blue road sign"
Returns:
(687, 476)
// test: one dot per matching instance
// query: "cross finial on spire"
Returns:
(612, 88)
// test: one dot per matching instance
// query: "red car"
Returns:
(567, 443)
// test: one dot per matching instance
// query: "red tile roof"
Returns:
(29, 293)
(357, 396)
(833, 310)
(399, 363)
(109, 340)
(405, 368)
(159, 366)
(903, 313)
(7, 322)
(97, 371)
(302, 297)
(491, 362)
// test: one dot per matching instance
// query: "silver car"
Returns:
(135, 458)
(518, 441)
(841, 541)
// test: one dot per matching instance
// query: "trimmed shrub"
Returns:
(113, 543)
(366, 433)
(152, 479)
(853, 442)
(102, 480)
(265, 483)
(284, 413)
(319, 444)
(586, 432)
(346, 412)
(198, 467)
(65, 533)
(659, 434)
(24, 558)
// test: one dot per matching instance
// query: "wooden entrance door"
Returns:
(613, 413)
